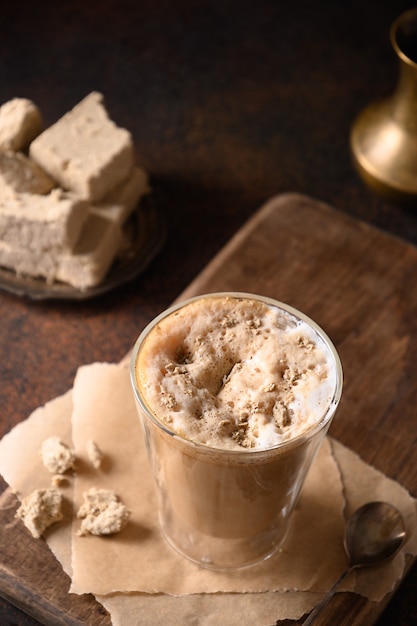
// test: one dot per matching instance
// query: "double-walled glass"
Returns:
(225, 508)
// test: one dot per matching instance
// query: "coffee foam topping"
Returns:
(235, 373)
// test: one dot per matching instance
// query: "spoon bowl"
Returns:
(374, 533)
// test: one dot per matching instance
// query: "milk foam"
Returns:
(235, 373)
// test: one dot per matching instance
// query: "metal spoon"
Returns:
(374, 533)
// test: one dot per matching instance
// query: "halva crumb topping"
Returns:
(235, 373)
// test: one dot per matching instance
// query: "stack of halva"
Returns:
(65, 192)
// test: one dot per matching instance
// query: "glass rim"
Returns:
(245, 452)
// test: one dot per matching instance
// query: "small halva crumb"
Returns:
(94, 453)
(102, 513)
(58, 480)
(57, 456)
(40, 509)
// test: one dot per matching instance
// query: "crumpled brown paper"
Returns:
(138, 560)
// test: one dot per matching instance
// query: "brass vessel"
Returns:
(384, 136)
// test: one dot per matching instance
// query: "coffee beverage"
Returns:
(235, 393)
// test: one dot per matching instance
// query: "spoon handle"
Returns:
(310, 619)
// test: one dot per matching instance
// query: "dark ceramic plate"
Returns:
(145, 233)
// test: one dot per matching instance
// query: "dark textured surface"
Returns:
(229, 103)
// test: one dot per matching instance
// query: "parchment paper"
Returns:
(102, 408)
(138, 558)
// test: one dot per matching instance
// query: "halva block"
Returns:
(85, 151)
(41, 222)
(122, 201)
(20, 123)
(82, 267)
(19, 174)
(93, 254)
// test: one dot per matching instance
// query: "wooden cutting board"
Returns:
(358, 283)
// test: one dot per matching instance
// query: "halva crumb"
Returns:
(94, 453)
(102, 513)
(40, 509)
(57, 456)
(58, 480)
